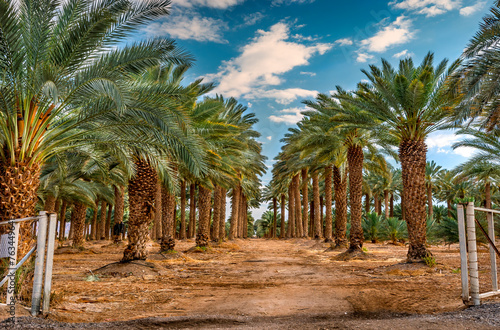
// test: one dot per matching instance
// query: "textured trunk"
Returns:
(245, 218)
(168, 213)
(283, 210)
(317, 212)
(305, 202)
(386, 203)
(70, 235)
(413, 158)
(108, 222)
(355, 162)
(216, 216)
(275, 217)
(241, 216)
(157, 229)
(203, 234)
(222, 219)
(141, 192)
(102, 221)
(174, 220)
(328, 204)
(50, 203)
(321, 217)
(119, 210)
(298, 207)
(311, 218)
(235, 209)
(18, 196)
(192, 210)
(377, 203)
(430, 211)
(448, 206)
(183, 210)
(78, 220)
(391, 206)
(290, 231)
(62, 221)
(367, 203)
(340, 186)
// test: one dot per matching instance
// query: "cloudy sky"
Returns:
(272, 54)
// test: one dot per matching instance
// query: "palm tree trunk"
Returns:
(321, 217)
(183, 210)
(192, 210)
(275, 217)
(18, 197)
(367, 203)
(290, 231)
(355, 163)
(448, 206)
(328, 204)
(50, 203)
(283, 210)
(93, 229)
(235, 211)
(298, 207)
(157, 229)
(62, 221)
(78, 221)
(141, 193)
(108, 222)
(412, 154)
(119, 210)
(241, 217)
(222, 218)
(311, 218)
(317, 212)
(430, 211)
(391, 206)
(102, 221)
(305, 202)
(245, 218)
(168, 213)
(340, 186)
(203, 234)
(386, 203)
(376, 202)
(70, 235)
(216, 216)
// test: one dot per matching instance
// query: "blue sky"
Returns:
(272, 54)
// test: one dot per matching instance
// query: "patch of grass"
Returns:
(201, 248)
(430, 261)
(56, 298)
(365, 249)
(456, 271)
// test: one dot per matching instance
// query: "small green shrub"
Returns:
(430, 261)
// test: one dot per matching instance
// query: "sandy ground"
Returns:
(259, 283)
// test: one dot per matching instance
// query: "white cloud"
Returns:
(262, 61)
(363, 57)
(269, 138)
(288, 116)
(306, 73)
(467, 11)
(344, 42)
(427, 7)
(252, 19)
(396, 33)
(190, 27)
(289, 2)
(219, 4)
(282, 96)
(404, 53)
(442, 142)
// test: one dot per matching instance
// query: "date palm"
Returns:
(410, 102)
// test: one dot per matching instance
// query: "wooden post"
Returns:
(40, 255)
(493, 257)
(47, 286)
(471, 240)
(13, 240)
(463, 253)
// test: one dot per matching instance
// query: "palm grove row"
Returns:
(88, 121)
(349, 132)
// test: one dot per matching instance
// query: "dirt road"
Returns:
(263, 284)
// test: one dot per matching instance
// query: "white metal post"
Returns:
(40, 256)
(463, 253)
(493, 256)
(47, 286)
(13, 240)
(471, 240)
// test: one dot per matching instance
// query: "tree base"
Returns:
(167, 244)
(328, 240)
(202, 240)
(132, 252)
(417, 253)
(341, 243)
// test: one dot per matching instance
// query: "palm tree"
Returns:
(409, 103)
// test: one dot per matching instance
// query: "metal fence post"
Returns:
(13, 240)
(47, 286)
(40, 255)
(464, 273)
(471, 240)
(493, 256)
